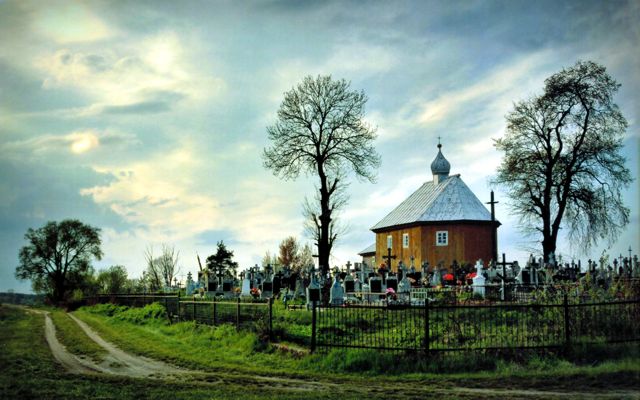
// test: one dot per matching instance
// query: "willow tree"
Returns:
(562, 166)
(57, 258)
(321, 131)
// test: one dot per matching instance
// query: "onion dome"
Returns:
(440, 167)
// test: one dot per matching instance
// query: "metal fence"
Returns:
(447, 327)
(257, 316)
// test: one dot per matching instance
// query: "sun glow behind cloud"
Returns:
(83, 142)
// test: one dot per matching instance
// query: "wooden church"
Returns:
(440, 222)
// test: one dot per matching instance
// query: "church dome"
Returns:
(440, 166)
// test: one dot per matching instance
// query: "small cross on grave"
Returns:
(348, 265)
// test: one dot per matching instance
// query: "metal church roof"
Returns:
(449, 200)
(370, 249)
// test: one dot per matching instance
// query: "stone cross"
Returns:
(348, 265)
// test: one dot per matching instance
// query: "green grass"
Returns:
(74, 339)
(222, 347)
(29, 371)
(186, 343)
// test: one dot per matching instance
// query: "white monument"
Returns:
(479, 280)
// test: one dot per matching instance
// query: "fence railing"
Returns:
(244, 315)
(447, 327)
(431, 327)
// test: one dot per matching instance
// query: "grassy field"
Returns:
(28, 370)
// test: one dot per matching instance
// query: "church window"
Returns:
(405, 240)
(389, 242)
(442, 238)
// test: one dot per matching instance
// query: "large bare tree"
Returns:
(321, 131)
(562, 165)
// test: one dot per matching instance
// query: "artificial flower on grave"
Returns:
(255, 292)
(391, 294)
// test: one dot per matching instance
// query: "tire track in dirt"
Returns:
(119, 362)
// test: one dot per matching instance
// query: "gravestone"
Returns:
(277, 283)
(479, 280)
(246, 284)
(349, 285)
(227, 288)
(313, 293)
(191, 285)
(392, 283)
(267, 289)
(375, 285)
(336, 294)
(436, 278)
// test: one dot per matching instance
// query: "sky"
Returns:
(148, 119)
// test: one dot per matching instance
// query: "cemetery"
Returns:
(436, 309)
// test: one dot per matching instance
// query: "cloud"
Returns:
(77, 142)
(69, 22)
(133, 77)
(495, 87)
(155, 194)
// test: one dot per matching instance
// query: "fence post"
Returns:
(313, 326)
(214, 311)
(270, 317)
(194, 310)
(567, 333)
(426, 325)
(238, 313)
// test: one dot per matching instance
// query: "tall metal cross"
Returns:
(494, 230)
(389, 257)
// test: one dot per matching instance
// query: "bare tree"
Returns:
(312, 223)
(321, 131)
(161, 270)
(562, 164)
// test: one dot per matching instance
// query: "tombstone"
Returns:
(299, 288)
(479, 280)
(375, 284)
(425, 268)
(436, 278)
(191, 285)
(227, 288)
(515, 268)
(349, 284)
(267, 289)
(313, 293)
(402, 270)
(246, 284)
(277, 282)
(404, 286)
(524, 277)
(392, 283)
(336, 293)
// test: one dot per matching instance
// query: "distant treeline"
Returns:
(21, 298)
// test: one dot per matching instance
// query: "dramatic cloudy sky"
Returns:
(147, 119)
